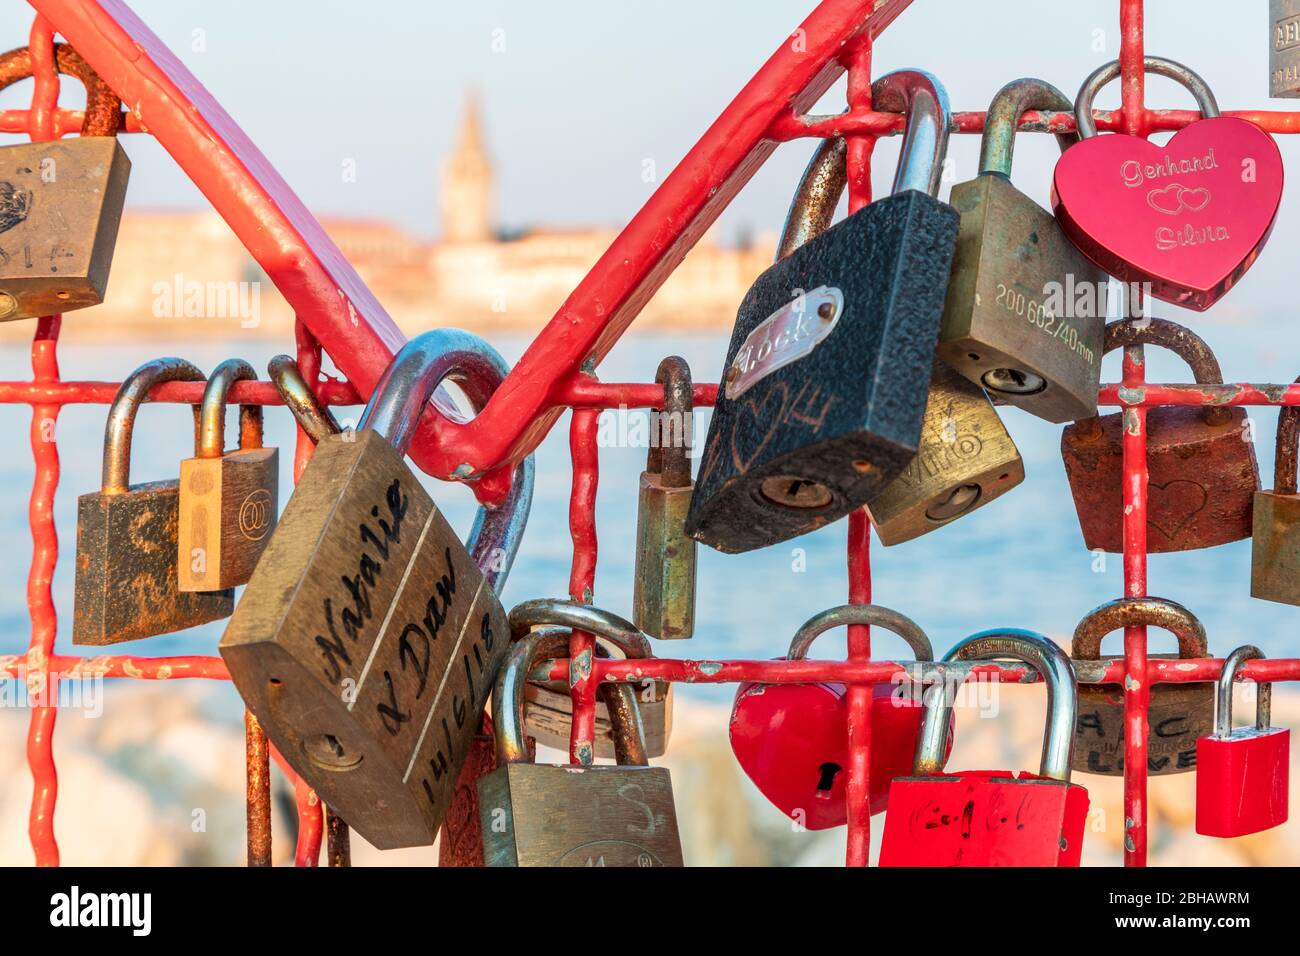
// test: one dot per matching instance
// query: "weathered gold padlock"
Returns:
(60, 201)
(1275, 521)
(368, 638)
(538, 815)
(1178, 713)
(966, 460)
(126, 536)
(550, 706)
(663, 591)
(229, 501)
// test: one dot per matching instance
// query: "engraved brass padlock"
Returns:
(1007, 324)
(60, 201)
(1177, 715)
(1284, 51)
(663, 590)
(966, 460)
(539, 815)
(829, 362)
(126, 536)
(1201, 461)
(1275, 521)
(550, 706)
(368, 638)
(229, 501)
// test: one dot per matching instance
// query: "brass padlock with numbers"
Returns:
(60, 201)
(550, 706)
(1178, 713)
(1007, 324)
(966, 460)
(229, 501)
(126, 570)
(663, 589)
(368, 638)
(1275, 521)
(568, 815)
(1284, 49)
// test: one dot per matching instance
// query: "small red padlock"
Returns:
(1188, 217)
(992, 817)
(792, 739)
(1242, 775)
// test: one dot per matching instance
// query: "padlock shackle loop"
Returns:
(619, 633)
(1003, 121)
(212, 412)
(1134, 611)
(675, 422)
(820, 188)
(924, 103)
(871, 614)
(103, 113)
(118, 429)
(1223, 706)
(1286, 449)
(315, 419)
(1057, 672)
(1183, 75)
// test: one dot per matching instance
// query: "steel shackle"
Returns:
(212, 412)
(872, 614)
(667, 457)
(118, 429)
(1003, 121)
(1130, 612)
(1286, 449)
(1223, 706)
(312, 417)
(1172, 69)
(924, 102)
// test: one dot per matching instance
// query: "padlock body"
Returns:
(984, 818)
(60, 207)
(539, 815)
(1177, 716)
(1275, 548)
(1201, 489)
(966, 460)
(1284, 49)
(548, 717)
(1242, 781)
(1017, 284)
(367, 641)
(828, 409)
(663, 594)
(126, 569)
(228, 509)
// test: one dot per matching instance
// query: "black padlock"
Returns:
(829, 364)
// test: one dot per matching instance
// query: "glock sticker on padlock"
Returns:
(785, 336)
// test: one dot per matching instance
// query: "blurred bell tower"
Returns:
(467, 182)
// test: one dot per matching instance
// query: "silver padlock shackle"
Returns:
(1062, 697)
(1223, 706)
(398, 401)
(1003, 121)
(620, 634)
(121, 416)
(212, 412)
(813, 206)
(314, 418)
(1172, 69)
(872, 614)
(924, 102)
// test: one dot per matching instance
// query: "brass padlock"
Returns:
(60, 201)
(663, 590)
(966, 460)
(1284, 51)
(368, 638)
(568, 815)
(229, 501)
(1177, 715)
(1275, 521)
(315, 419)
(1013, 272)
(126, 536)
(550, 706)
(1202, 472)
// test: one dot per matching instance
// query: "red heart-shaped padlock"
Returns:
(1188, 217)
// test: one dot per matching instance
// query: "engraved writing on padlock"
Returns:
(60, 202)
(126, 570)
(1177, 714)
(368, 638)
(1284, 49)
(1013, 265)
(229, 502)
(827, 369)
(1275, 521)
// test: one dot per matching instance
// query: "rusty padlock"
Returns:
(1201, 461)
(60, 201)
(229, 500)
(126, 569)
(368, 638)
(663, 589)
(1178, 714)
(1275, 521)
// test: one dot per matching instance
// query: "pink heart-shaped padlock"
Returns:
(1189, 217)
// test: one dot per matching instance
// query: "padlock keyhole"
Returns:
(827, 780)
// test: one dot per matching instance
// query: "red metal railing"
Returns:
(338, 313)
